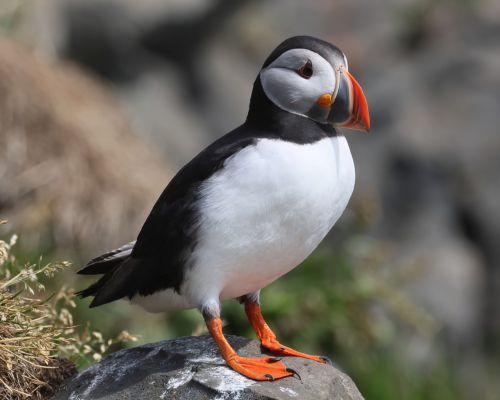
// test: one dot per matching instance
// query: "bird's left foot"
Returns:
(277, 348)
(268, 338)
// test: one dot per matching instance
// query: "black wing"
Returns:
(159, 257)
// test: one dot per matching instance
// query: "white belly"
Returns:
(265, 212)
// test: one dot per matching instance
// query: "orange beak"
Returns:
(350, 108)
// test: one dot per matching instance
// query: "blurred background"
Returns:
(102, 101)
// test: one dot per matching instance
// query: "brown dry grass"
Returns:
(36, 330)
(31, 332)
(71, 169)
(28, 369)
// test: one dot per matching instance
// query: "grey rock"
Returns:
(191, 368)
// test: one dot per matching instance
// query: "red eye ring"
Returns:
(306, 71)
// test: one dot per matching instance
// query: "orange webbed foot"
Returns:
(268, 338)
(260, 368)
(277, 348)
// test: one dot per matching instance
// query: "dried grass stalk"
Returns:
(34, 333)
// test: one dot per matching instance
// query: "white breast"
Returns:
(265, 212)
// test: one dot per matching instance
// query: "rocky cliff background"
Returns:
(101, 101)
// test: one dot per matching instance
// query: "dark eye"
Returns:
(306, 70)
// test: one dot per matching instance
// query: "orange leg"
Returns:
(258, 368)
(267, 336)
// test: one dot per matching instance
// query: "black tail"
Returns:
(106, 265)
(92, 289)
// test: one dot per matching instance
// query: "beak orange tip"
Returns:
(361, 116)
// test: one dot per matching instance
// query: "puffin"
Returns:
(251, 206)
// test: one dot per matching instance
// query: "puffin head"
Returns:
(310, 77)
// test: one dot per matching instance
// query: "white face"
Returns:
(292, 90)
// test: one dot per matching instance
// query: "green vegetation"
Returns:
(10, 14)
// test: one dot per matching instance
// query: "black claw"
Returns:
(326, 360)
(274, 359)
(295, 373)
(269, 376)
